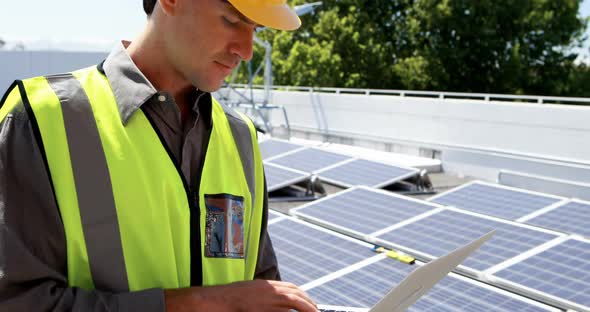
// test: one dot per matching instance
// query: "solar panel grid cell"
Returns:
(573, 217)
(271, 148)
(365, 211)
(305, 253)
(363, 287)
(453, 294)
(562, 271)
(366, 286)
(273, 215)
(365, 172)
(310, 159)
(495, 200)
(444, 231)
(277, 177)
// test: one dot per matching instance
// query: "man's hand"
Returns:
(257, 295)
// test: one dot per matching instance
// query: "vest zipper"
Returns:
(193, 203)
(197, 275)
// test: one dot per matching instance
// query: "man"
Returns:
(126, 187)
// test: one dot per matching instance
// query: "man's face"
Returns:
(206, 41)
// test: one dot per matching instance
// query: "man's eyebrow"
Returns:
(241, 16)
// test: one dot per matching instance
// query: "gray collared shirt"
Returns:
(33, 261)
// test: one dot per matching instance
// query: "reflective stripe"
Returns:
(258, 195)
(93, 186)
(241, 133)
(244, 145)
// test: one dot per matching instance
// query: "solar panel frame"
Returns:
(560, 218)
(542, 211)
(298, 176)
(464, 268)
(298, 254)
(299, 213)
(291, 159)
(374, 279)
(274, 217)
(506, 214)
(286, 147)
(493, 276)
(323, 173)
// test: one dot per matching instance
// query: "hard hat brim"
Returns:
(277, 16)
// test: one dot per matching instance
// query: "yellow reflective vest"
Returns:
(130, 221)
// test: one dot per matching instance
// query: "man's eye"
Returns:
(230, 20)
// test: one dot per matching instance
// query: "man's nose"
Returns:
(243, 45)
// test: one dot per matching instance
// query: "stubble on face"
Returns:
(201, 40)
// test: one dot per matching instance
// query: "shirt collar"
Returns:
(132, 89)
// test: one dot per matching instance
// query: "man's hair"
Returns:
(148, 6)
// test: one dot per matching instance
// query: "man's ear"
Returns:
(169, 7)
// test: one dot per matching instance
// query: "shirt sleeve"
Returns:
(33, 258)
(267, 266)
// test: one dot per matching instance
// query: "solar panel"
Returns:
(365, 286)
(453, 294)
(446, 230)
(365, 172)
(562, 271)
(278, 177)
(306, 253)
(271, 148)
(495, 200)
(363, 210)
(309, 159)
(273, 215)
(573, 217)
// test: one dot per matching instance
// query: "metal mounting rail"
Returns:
(431, 94)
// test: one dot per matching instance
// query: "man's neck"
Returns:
(148, 55)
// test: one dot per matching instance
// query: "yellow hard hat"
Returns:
(275, 14)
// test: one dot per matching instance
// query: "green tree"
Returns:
(512, 46)
(344, 44)
(578, 82)
(501, 46)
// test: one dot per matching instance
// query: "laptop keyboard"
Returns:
(333, 308)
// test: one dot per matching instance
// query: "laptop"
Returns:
(418, 281)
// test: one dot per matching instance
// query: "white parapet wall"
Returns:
(543, 130)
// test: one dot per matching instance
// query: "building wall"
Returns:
(557, 132)
(25, 64)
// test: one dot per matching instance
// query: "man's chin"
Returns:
(211, 87)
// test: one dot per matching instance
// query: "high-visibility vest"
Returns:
(126, 208)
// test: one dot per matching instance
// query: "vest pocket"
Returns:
(224, 227)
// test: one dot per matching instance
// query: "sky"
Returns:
(63, 24)
(88, 25)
